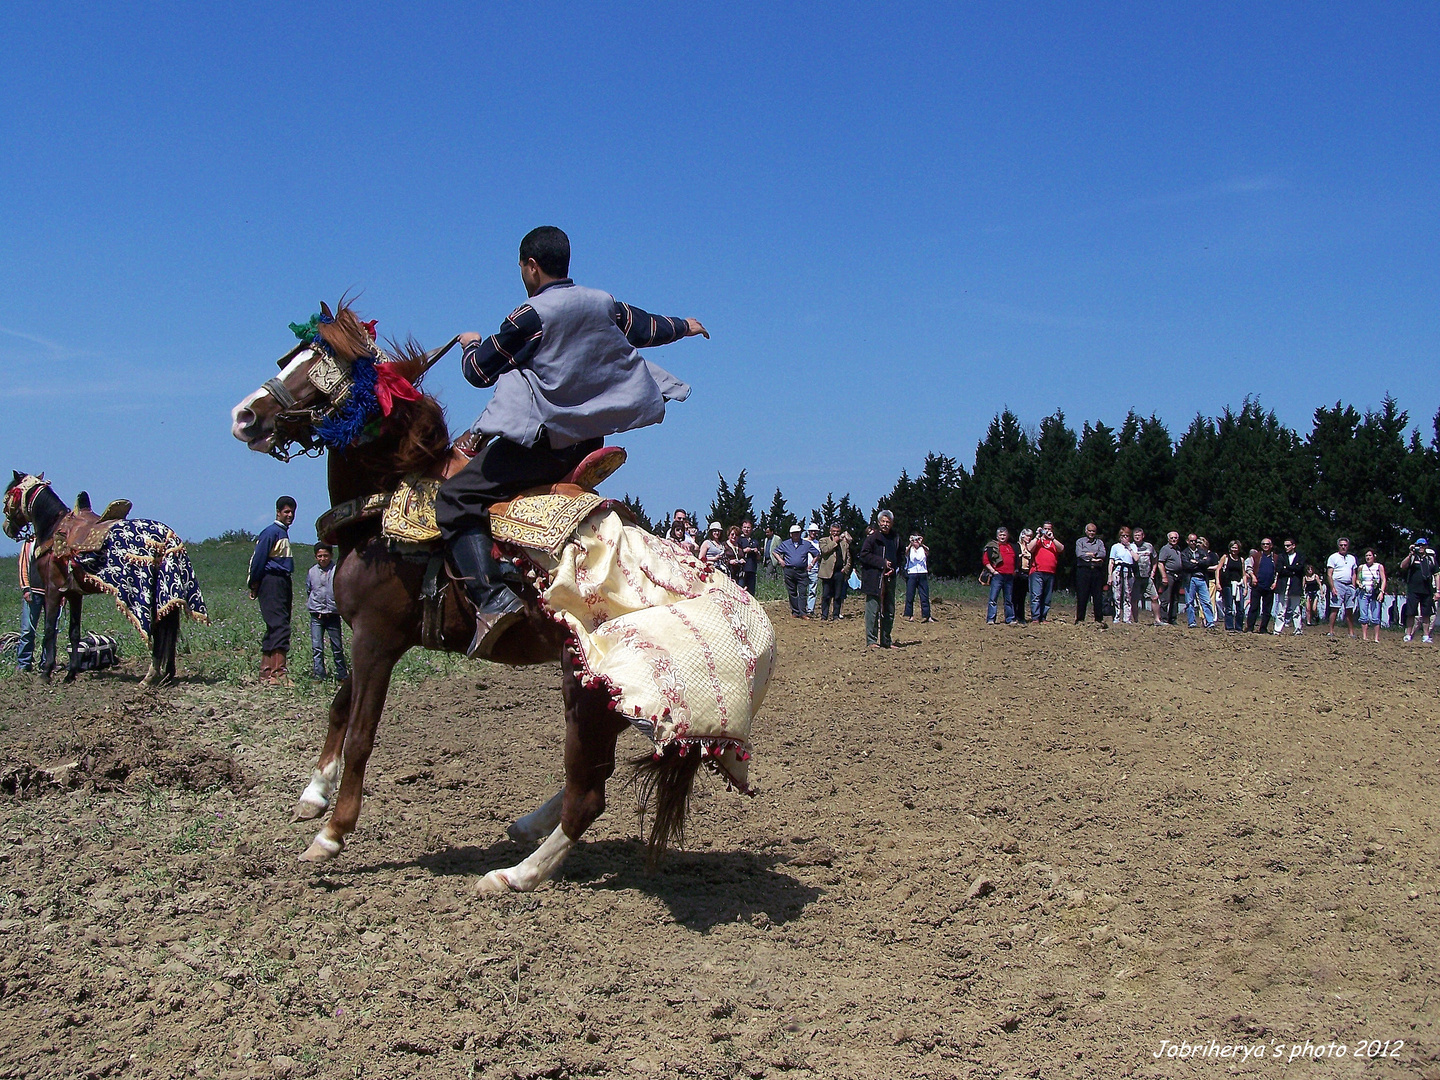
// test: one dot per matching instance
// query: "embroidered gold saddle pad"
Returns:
(410, 516)
(543, 520)
(539, 520)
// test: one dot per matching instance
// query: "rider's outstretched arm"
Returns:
(645, 331)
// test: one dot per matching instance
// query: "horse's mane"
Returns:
(419, 427)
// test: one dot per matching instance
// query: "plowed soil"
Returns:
(990, 852)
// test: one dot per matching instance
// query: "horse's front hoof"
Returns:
(305, 810)
(495, 883)
(321, 849)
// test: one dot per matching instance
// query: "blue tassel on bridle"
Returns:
(345, 426)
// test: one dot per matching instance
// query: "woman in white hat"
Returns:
(712, 548)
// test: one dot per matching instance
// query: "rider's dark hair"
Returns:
(284, 501)
(550, 248)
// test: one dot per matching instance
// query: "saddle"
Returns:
(82, 531)
(538, 518)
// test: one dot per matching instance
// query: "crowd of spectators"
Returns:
(819, 567)
(1264, 590)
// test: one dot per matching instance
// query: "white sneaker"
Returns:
(1425, 640)
(1299, 632)
(1410, 636)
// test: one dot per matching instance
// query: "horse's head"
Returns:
(331, 386)
(19, 496)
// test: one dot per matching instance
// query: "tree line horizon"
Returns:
(1241, 475)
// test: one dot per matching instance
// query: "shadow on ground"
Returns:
(701, 888)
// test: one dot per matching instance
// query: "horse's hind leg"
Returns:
(325, 777)
(540, 822)
(591, 728)
(164, 636)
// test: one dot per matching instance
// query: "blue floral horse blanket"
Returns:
(146, 568)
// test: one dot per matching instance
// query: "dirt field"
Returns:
(991, 852)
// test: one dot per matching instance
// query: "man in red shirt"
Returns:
(1044, 561)
(999, 559)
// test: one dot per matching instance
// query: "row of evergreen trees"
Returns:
(1239, 476)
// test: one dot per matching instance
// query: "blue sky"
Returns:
(893, 223)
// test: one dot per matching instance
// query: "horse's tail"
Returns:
(663, 782)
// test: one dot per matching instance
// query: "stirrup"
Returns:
(489, 629)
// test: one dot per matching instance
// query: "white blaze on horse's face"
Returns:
(253, 420)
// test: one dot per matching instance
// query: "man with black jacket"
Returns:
(1289, 587)
(879, 556)
(1196, 564)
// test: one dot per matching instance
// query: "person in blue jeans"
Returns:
(793, 557)
(999, 559)
(1197, 561)
(1044, 561)
(32, 608)
(324, 618)
(917, 578)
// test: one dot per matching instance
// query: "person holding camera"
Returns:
(1044, 561)
(1419, 569)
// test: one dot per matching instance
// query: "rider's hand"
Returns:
(469, 339)
(693, 327)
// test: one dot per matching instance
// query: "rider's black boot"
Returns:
(496, 606)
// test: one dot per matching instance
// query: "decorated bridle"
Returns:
(353, 391)
(18, 501)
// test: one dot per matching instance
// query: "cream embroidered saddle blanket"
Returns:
(685, 652)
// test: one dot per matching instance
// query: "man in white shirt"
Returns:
(1340, 573)
(812, 537)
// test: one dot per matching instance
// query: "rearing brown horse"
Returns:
(378, 592)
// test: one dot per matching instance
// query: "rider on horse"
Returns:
(566, 374)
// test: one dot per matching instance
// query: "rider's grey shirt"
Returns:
(584, 381)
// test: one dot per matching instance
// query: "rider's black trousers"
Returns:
(501, 470)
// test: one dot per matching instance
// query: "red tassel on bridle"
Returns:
(390, 385)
